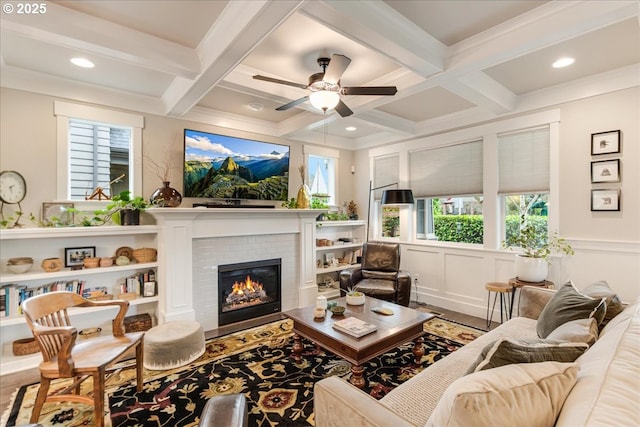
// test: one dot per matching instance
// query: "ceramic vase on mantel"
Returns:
(166, 197)
(530, 269)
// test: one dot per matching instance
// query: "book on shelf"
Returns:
(354, 327)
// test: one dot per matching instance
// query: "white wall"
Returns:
(607, 244)
(28, 145)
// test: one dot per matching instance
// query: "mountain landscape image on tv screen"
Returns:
(219, 166)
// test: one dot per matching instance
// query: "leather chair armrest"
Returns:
(228, 410)
(349, 277)
(403, 290)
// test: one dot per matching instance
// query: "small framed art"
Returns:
(57, 213)
(605, 171)
(74, 257)
(605, 142)
(605, 200)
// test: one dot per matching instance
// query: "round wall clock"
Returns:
(13, 187)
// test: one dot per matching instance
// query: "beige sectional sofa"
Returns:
(606, 377)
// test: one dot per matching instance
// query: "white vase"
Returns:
(530, 269)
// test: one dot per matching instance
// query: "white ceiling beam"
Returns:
(381, 28)
(241, 26)
(68, 28)
(388, 122)
(480, 89)
(541, 27)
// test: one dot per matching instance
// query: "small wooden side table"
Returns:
(502, 291)
(517, 283)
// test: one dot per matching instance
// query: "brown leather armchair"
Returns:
(379, 275)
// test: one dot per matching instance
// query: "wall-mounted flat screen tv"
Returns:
(225, 167)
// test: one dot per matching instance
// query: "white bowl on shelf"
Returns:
(19, 265)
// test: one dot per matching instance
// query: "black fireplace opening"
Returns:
(249, 289)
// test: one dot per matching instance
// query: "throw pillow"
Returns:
(580, 330)
(529, 394)
(566, 305)
(507, 351)
(601, 289)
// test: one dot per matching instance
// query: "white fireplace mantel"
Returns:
(180, 226)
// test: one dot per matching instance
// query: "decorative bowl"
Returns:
(91, 262)
(19, 265)
(355, 298)
(338, 309)
(51, 265)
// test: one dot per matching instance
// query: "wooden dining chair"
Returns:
(94, 358)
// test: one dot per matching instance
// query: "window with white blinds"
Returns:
(385, 172)
(523, 162)
(98, 154)
(454, 170)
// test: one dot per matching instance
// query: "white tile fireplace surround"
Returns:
(192, 242)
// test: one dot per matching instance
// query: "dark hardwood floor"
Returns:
(9, 383)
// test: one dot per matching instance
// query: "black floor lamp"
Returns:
(389, 197)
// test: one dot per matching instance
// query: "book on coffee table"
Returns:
(354, 327)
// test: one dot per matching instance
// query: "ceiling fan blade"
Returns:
(292, 104)
(343, 110)
(282, 82)
(369, 90)
(337, 66)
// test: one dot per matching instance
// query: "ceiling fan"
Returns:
(325, 87)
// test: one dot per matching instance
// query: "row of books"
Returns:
(12, 295)
(140, 284)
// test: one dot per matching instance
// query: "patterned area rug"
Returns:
(256, 362)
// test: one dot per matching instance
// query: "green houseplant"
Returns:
(532, 265)
(126, 209)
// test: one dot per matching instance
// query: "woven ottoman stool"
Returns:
(173, 344)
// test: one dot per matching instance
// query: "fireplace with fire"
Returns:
(247, 290)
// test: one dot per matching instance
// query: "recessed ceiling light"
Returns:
(351, 128)
(82, 62)
(563, 62)
(256, 106)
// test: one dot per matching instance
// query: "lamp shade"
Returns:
(397, 197)
(324, 100)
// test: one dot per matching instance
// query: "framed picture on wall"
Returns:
(605, 200)
(605, 171)
(605, 142)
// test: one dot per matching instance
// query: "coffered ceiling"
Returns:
(454, 62)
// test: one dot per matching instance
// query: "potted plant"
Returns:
(532, 265)
(354, 297)
(125, 207)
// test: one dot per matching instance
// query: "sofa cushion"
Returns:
(529, 394)
(607, 392)
(566, 305)
(601, 289)
(508, 351)
(579, 330)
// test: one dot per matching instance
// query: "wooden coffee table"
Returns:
(403, 326)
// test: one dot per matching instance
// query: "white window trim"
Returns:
(63, 112)
(312, 150)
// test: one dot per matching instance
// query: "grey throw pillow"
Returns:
(580, 330)
(507, 351)
(601, 289)
(566, 305)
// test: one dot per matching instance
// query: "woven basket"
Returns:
(144, 254)
(25, 346)
(91, 262)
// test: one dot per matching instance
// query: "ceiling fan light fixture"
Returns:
(324, 100)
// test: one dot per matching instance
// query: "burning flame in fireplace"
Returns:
(246, 287)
